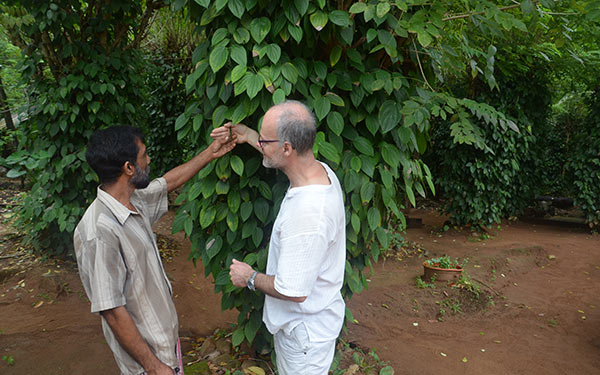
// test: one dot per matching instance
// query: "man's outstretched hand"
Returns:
(240, 132)
(222, 144)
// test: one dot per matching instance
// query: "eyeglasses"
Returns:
(261, 142)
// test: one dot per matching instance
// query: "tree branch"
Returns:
(467, 15)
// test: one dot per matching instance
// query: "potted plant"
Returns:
(443, 268)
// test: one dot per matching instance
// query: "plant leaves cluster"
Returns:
(365, 69)
(83, 73)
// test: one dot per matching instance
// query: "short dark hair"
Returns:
(108, 149)
(297, 125)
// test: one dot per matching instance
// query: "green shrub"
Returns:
(584, 164)
(83, 72)
(354, 64)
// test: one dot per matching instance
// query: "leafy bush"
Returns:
(482, 186)
(365, 70)
(84, 72)
(170, 45)
(584, 164)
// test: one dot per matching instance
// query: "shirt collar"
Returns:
(117, 208)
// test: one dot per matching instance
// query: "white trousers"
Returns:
(296, 355)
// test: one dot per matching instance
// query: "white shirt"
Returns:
(307, 256)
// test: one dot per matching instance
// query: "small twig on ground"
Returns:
(9, 256)
(486, 285)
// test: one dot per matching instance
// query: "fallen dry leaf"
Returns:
(254, 370)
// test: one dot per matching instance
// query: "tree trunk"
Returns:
(4, 107)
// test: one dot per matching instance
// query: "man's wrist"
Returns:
(251, 281)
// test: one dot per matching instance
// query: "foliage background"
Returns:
(391, 82)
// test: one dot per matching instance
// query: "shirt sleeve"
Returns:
(300, 260)
(154, 199)
(103, 273)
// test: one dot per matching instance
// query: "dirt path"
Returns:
(545, 317)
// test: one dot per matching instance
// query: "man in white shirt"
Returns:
(304, 309)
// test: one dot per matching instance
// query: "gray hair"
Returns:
(296, 124)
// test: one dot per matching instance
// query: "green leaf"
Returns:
(207, 215)
(373, 217)
(237, 8)
(253, 325)
(218, 58)
(238, 54)
(386, 178)
(182, 119)
(527, 7)
(257, 237)
(245, 210)
(237, 164)
(334, 56)
(363, 145)
(335, 99)
(248, 228)
(319, 19)
(383, 238)
(390, 155)
(329, 151)
(335, 122)
(296, 32)
(259, 28)
(383, 8)
(290, 72)
(358, 7)
(388, 115)
(194, 191)
(274, 53)
(213, 246)
(424, 38)
(238, 72)
(203, 3)
(410, 194)
(340, 18)
(356, 163)
(367, 191)
(238, 336)
(222, 187)
(387, 370)
(355, 221)
(261, 209)
(234, 201)
(322, 106)
(278, 96)
(232, 221)
(301, 6)
(254, 85)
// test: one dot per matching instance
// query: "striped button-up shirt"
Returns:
(119, 265)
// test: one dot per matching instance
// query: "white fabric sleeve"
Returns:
(300, 260)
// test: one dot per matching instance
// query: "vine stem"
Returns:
(421, 66)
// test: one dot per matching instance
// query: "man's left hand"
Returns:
(221, 146)
(240, 272)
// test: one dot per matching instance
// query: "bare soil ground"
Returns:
(538, 310)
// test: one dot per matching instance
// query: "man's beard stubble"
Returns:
(141, 178)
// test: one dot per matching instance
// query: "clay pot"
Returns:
(441, 274)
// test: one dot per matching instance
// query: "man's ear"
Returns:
(128, 168)
(287, 148)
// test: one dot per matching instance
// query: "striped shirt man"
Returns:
(119, 265)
